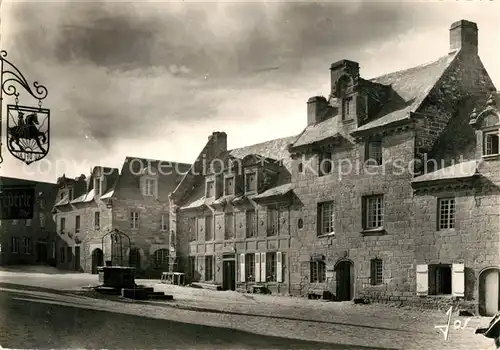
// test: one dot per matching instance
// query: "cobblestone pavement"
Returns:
(299, 323)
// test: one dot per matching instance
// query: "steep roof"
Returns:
(12, 181)
(411, 86)
(461, 170)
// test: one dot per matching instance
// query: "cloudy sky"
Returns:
(155, 79)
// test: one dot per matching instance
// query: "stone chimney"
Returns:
(463, 37)
(340, 68)
(219, 142)
(316, 106)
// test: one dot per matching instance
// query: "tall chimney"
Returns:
(315, 108)
(463, 37)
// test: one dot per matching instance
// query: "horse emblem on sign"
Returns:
(28, 132)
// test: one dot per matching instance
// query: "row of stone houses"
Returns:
(388, 193)
(32, 240)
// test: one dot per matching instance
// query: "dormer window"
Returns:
(229, 186)
(491, 143)
(210, 191)
(70, 192)
(325, 166)
(149, 187)
(251, 182)
(347, 108)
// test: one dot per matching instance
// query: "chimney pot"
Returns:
(464, 36)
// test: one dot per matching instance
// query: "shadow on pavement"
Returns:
(169, 304)
(30, 323)
(37, 269)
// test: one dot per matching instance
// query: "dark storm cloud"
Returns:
(275, 34)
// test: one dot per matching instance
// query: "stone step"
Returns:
(156, 293)
(161, 297)
(134, 293)
(107, 290)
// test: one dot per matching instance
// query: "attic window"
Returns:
(70, 194)
(229, 186)
(374, 153)
(210, 192)
(491, 143)
(347, 108)
(97, 186)
(250, 182)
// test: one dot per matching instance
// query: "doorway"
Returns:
(228, 274)
(344, 271)
(97, 260)
(489, 292)
(41, 252)
(77, 258)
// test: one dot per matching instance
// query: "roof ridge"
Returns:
(156, 160)
(405, 70)
(264, 142)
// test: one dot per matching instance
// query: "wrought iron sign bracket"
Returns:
(28, 132)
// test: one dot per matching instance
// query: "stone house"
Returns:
(334, 210)
(132, 202)
(456, 241)
(29, 241)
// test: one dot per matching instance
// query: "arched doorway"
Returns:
(160, 259)
(344, 275)
(97, 259)
(489, 291)
(134, 258)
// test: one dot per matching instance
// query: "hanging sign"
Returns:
(28, 132)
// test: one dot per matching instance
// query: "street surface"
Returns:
(40, 310)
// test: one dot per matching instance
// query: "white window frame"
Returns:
(347, 103)
(78, 223)
(374, 153)
(149, 187)
(486, 134)
(134, 220)
(15, 243)
(446, 213)
(326, 227)
(97, 223)
(27, 245)
(374, 207)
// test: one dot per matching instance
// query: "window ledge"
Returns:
(331, 234)
(445, 230)
(377, 231)
(491, 156)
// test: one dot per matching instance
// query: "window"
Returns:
(134, 220)
(77, 224)
(440, 279)
(192, 229)
(210, 189)
(27, 245)
(491, 143)
(70, 194)
(229, 186)
(164, 223)
(347, 108)
(63, 225)
(15, 245)
(325, 164)
(251, 230)
(192, 268)
(42, 220)
(446, 213)
(272, 221)
(271, 267)
(375, 272)
(318, 271)
(61, 196)
(160, 259)
(326, 218)
(250, 182)
(97, 220)
(62, 258)
(209, 268)
(70, 253)
(374, 153)
(250, 267)
(97, 186)
(149, 187)
(209, 228)
(373, 212)
(229, 226)
(28, 222)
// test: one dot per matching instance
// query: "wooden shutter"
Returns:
(458, 280)
(242, 267)
(422, 280)
(279, 268)
(257, 267)
(263, 267)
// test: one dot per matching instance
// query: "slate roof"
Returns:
(411, 87)
(275, 191)
(455, 171)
